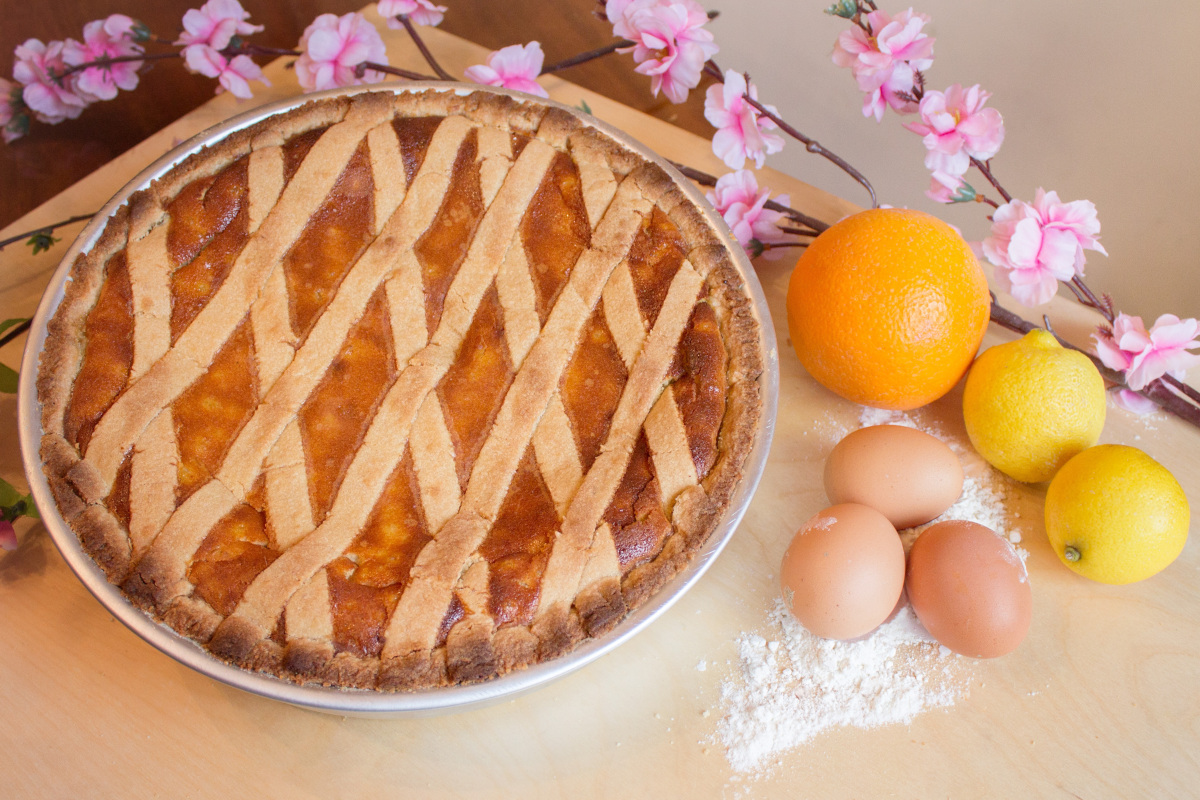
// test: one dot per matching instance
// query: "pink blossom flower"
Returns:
(13, 118)
(740, 202)
(104, 38)
(233, 74)
(215, 24)
(51, 101)
(513, 67)
(670, 43)
(1145, 356)
(1036, 245)
(421, 12)
(956, 128)
(333, 47)
(885, 62)
(945, 187)
(8, 536)
(739, 127)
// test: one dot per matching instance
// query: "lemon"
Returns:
(1031, 404)
(1115, 515)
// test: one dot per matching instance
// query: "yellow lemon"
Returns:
(1031, 404)
(1115, 515)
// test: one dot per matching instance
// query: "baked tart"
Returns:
(400, 390)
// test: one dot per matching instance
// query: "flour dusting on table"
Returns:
(790, 686)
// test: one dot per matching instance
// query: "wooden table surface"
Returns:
(1102, 699)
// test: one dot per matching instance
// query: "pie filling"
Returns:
(488, 396)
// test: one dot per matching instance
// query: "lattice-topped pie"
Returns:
(400, 390)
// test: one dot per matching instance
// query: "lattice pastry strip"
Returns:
(154, 457)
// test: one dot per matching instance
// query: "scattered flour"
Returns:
(796, 685)
(791, 686)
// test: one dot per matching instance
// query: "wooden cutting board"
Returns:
(1102, 699)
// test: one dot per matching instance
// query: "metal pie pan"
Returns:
(367, 702)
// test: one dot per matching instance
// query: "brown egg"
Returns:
(843, 572)
(905, 474)
(969, 588)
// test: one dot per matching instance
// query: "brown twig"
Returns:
(1089, 299)
(44, 229)
(361, 69)
(984, 167)
(15, 331)
(109, 61)
(420, 43)
(1181, 387)
(704, 179)
(812, 145)
(590, 55)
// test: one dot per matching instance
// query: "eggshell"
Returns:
(843, 571)
(969, 588)
(907, 475)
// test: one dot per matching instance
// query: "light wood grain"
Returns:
(1102, 700)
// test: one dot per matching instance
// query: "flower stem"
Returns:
(420, 43)
(983, 167)
(1181, 387)
(704, 179)
(1089, 299)
(110, 60)
(389, 70)
(15, 331)
(258, 50)
(590, 55)
(45, 229)
(812, 145)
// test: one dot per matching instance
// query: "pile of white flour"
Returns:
(790, 685)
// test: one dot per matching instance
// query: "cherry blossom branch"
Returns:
(590, 55)
(15, 331)
(985, 168)
(704, 179)
(812, 145)
(420, 43)
(45, 229)
(109, 61)
(386, 69)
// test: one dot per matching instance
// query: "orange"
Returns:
(887, 308)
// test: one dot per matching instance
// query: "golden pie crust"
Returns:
(396, 391)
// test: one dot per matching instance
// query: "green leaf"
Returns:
(13, 504)
(141, 32)
(8, 494)
(8, 379)
(42, 240)
(843, 8)
(965, 194)
(584, 107)
(18, 126)
(8, 323)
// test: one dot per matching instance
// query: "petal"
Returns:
(1025, 244)
(1132, 401)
